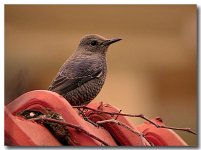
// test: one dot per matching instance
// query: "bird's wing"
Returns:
(74, 76)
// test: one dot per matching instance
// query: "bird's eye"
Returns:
(93, 43)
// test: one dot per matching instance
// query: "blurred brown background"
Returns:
(151, 71)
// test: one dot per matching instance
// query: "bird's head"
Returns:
(95, 43)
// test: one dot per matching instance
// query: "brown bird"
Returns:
(82, 76)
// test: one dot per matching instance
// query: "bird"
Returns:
(82, 76)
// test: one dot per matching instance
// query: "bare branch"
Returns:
(123, 125)
(139, 116)
(181, 129)
(79, 128)
(118, 115)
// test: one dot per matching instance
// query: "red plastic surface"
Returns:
(160, 136)
(20, 132)
(40, 100)
(121, 134)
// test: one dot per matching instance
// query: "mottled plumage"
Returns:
(82, 76)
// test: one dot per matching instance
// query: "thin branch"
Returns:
(79, 128)
(119, 123)
(86, 117)
(180, 129)
(139, 116)
(123, 125)
(118, 115)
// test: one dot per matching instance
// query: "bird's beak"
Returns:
(110, 41)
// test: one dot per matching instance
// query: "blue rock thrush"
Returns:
(82, 76)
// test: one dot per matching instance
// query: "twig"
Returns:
(139, 116)
(121, 124)
(79, 128)
(181, 129)
(86, 118)
(118, 115)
